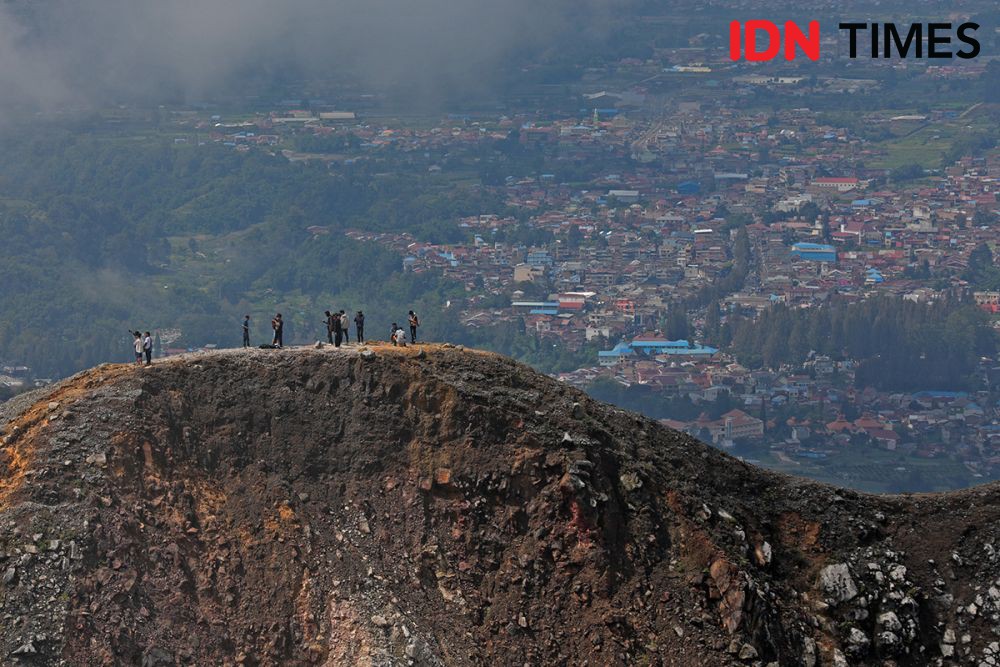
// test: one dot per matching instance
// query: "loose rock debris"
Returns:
(438, 506)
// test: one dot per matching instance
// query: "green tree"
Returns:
(677, 325)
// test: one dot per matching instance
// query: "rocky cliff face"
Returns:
(434, 506)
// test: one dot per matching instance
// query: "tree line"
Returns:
(898, 344)
(102, 234)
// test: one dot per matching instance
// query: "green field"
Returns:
(926, 146)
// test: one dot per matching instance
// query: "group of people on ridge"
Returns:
(277, 325)
(143, 345)
(338, 329)
(398, 336)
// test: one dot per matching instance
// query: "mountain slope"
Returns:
(440, 506)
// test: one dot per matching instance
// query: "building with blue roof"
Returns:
(616, 355)
(932, 394)
(532, 305)
(815, 252)
(653, 346)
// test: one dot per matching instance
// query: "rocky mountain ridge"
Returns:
(438, 506)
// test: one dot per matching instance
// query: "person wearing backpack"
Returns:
(329, 327)
(345, 326)
(414, 323)
(338, 330)
(359, 327)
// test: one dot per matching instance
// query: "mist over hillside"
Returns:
(63, 53)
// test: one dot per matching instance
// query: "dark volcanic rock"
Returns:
(435, 506)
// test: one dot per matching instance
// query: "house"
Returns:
(529, 306)
(573, 300)
(619, 354)
(337, 116)
(653, 344)
(815, 252)
(988, 301)
(840, 425)
(886, 438)
(837, 184)
(868, 423)
(624, 196)
(735, 425)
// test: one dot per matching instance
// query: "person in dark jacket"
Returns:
(359, 326)
(246, 331)
(338, 330)
(278, 325)
(329, 327)
(414, 323)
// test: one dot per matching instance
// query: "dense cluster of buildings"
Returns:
(630, 246)
(639, 210)
(814, 411)
(614, 271)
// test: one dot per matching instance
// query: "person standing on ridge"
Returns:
(345, 326)
(329, 327)
(359, 326)
(279, 329)
(137, 346)
(246, 331)
(414, 323)
(338, 330)
(147, 348)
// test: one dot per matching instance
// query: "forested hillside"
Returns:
(899, 345)
(102, 234)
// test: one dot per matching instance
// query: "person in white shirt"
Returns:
(400, 337)
(137, 344)
(147, 348)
